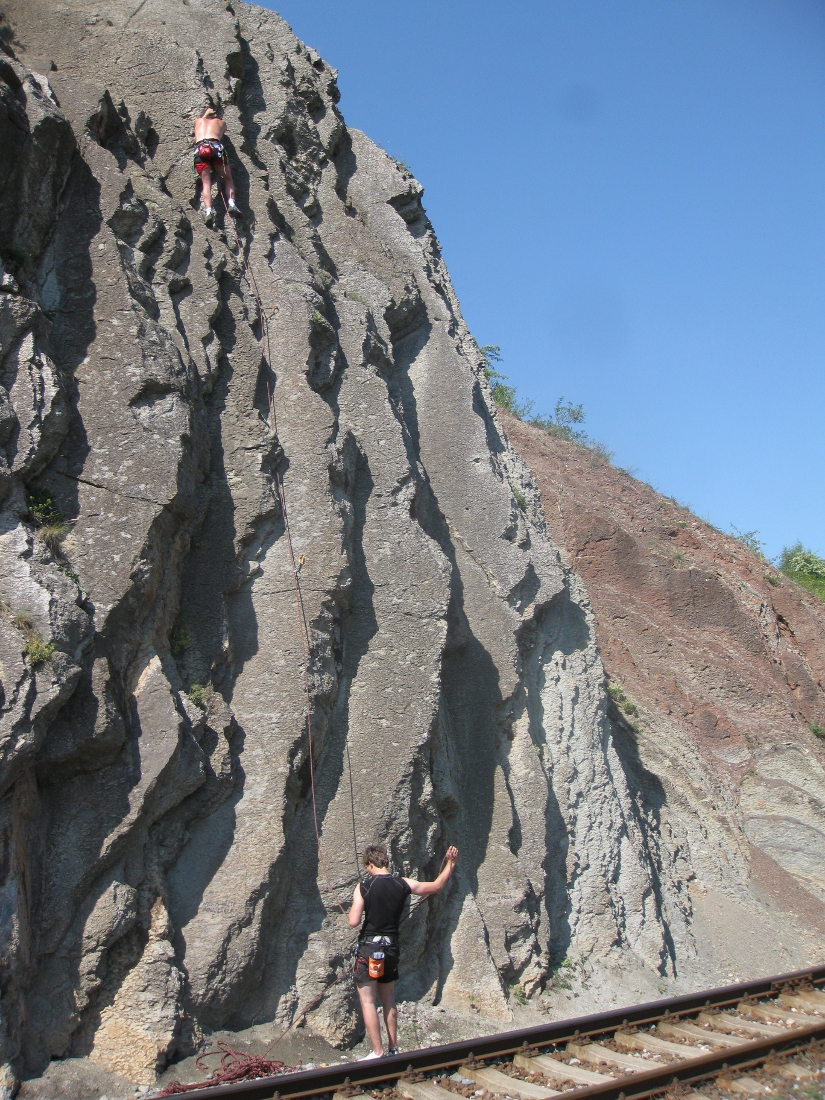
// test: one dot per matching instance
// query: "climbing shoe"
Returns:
(208, 215)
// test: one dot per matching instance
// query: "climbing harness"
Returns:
(206, 152)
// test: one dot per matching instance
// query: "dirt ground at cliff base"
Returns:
(738, 940)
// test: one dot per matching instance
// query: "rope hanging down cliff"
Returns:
(236, 1065)
(302, 620)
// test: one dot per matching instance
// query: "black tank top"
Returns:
(384, 897)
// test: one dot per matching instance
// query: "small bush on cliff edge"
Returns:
(564, 420)
(503, 395)
(804, 567)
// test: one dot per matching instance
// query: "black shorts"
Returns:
(391, 957)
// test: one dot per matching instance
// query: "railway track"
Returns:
(719, 1037)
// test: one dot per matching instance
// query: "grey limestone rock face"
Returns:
(162, 876)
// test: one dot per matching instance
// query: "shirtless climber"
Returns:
(380, 900)
(210, 153)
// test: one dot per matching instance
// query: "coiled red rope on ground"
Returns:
(235, 1066)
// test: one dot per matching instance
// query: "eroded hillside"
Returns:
(716, 660)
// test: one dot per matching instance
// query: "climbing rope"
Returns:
(236, 1065)
(304, 631)
(302, 623)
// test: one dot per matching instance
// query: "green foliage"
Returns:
(520, 500)
(564, 424)
(749, 539)
(491, 353)
(598, 450)
(34, 648)
(772, 578)
(52, 528)
(37, 650)
(817, 731)
(518, 994)
(353, 297)
(804, 567)
(53, 534)
(562, 979)
(621, 701)
(41, 506)
(565, 421)
(317, 319)
(503, 395)
(197, 693)
(326, 279)
(179, 640)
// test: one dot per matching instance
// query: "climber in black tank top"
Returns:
(384, 899)
(380, 901)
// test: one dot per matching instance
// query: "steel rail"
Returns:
(330, 1078)
(636, 1085)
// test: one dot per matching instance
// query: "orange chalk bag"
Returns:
(376, 964)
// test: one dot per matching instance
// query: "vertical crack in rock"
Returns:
(161, 875)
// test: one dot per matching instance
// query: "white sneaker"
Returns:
(208, 215)
(372, 1055)
(233, 207)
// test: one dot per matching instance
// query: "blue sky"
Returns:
(630, 197)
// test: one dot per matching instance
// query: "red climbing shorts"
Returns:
(207, 155)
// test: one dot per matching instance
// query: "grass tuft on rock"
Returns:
(52, 528)
(34, 647)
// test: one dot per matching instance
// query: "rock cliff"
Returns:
(160, 876)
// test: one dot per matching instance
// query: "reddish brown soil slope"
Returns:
(720, 654)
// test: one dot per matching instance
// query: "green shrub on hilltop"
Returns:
(804, 567)
(503, 395)
(564, 421)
